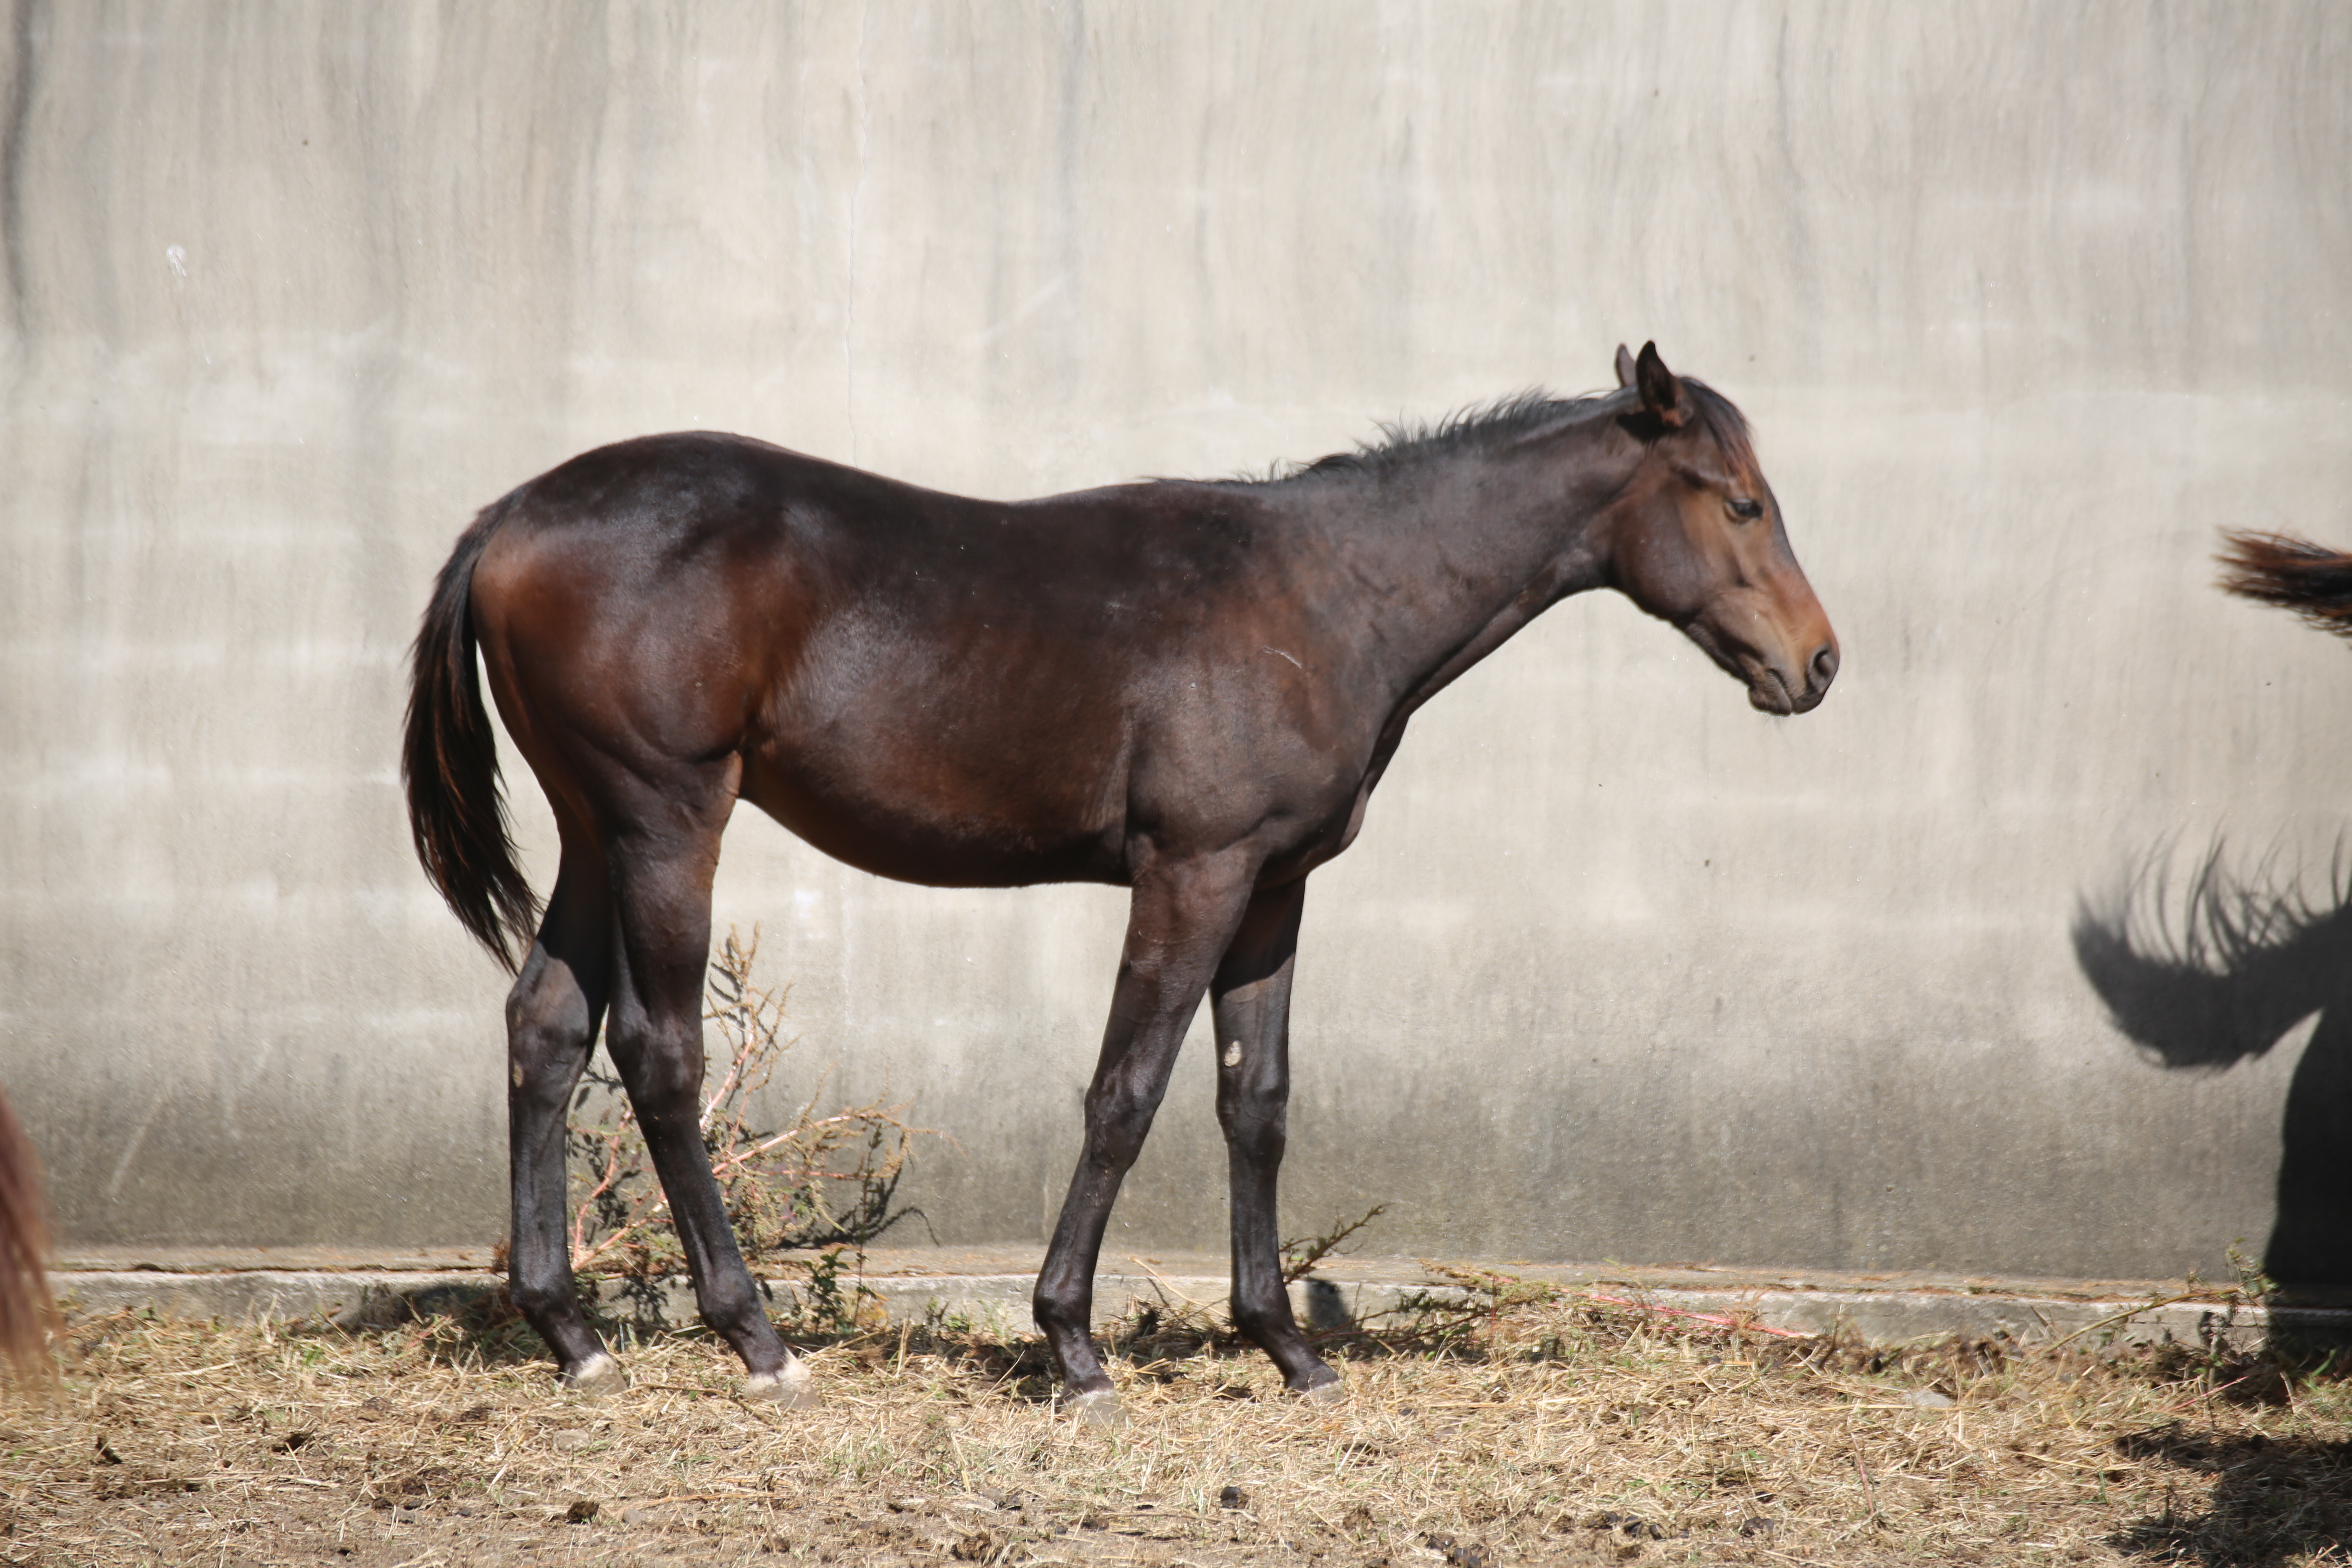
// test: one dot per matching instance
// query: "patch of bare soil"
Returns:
(1561, 1431)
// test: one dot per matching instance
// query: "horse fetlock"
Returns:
(1274, 1331)
(543, 1304)
(1073, 1348)
(1265, 1326)
(741, 1322)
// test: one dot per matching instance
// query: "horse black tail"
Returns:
(28, 1313)
(449, 762)
(2313, 582)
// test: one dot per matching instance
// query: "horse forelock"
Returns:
(1724, 422)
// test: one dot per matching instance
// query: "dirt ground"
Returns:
(1559, 1431)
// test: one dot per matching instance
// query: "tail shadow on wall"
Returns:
(2250, 959)
(2221, 976)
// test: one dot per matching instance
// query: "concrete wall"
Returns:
(2023, 307)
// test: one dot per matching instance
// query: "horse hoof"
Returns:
(597, 1376)
(1098, 1408)
(1332, 1393)
(789, 1388)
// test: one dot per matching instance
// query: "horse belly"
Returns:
(925, 815)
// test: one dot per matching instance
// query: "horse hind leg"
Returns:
(551, 1017)
(662, 900)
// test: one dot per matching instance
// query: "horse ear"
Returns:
(1662, 394)
(1625, 365)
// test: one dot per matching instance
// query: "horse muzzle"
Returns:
(1771, 691)
(1787, 670)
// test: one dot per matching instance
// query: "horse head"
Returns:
(1695, 539)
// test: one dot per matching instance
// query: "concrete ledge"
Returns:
(362, 1299)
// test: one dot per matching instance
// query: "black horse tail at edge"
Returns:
(449, 764)
(2313, 581)
(28, 1313)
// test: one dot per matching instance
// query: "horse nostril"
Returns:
(1824, 666)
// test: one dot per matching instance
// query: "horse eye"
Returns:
(1747, 511)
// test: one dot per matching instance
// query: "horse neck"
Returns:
(1460, 550)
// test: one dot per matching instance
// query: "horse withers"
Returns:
(1186, 688)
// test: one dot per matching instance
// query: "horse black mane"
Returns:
(1405, 443)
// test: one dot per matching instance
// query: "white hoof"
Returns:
(1333, 1393)
(1101, 1409)
(597, 1376)
(790, 1388)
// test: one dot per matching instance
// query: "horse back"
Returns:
(931, 687)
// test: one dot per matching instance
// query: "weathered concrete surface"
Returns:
(2022, 304)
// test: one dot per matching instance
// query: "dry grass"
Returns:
(1558, 1431)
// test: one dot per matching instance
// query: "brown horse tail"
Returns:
(27, 1311)
(2295, 574)
(449, 762)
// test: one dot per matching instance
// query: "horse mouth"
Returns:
(1769, 686)
(1768, 693)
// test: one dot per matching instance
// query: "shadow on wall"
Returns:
(2240, 966)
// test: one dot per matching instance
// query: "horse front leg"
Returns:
(1252, 1016)
(1180, 918)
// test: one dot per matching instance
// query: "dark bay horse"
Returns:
(1187, 689)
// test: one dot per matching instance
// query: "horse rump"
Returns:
(2313, 581)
